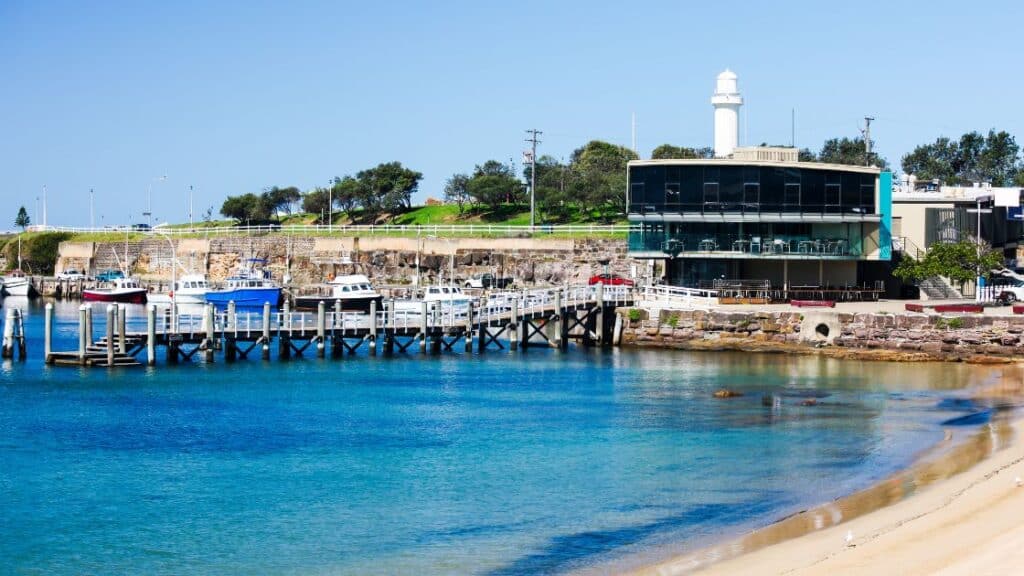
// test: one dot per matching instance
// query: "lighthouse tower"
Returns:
(727, 102)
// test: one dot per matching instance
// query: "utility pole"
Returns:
(189, 206)
(867, 140)
(330, 205)
(533, 132)
(92, 214)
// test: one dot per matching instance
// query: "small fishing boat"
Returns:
(352, 291)
(448, 299)
(123, 290)
(189, 289)
(247, 288)
(16, 283)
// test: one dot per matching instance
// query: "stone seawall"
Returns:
(901, 337)
(386, 260)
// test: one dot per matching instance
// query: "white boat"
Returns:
(352, 291)
(189, 289)
(448, 299)
(247, 288)
(16, 283)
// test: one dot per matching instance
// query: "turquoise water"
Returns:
(504, 463)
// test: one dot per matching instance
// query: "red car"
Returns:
(610, 280)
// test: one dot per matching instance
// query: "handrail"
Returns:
(343, 229)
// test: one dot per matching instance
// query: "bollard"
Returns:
(266, 331)
(513, 327)
(151, 335)
(122, 321)
(321, 328)
(373, 328)
(111, 322)
(83, 321)
(211, 329)
(423, 327)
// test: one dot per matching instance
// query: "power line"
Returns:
(534, 132)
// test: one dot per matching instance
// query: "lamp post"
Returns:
(92, 213)
(330, 206)
(149, 198)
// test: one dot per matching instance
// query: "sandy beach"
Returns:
(970, 523)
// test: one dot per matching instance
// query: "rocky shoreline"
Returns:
(909, 337)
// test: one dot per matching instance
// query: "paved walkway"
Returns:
(889, 306)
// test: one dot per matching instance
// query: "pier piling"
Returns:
(88, 325)
(599, 318)
(83, 322)
(513, 325)
(558, 321)
(321, 328)
(122, 320)
(423, 327)
(151, 335)
(48, 333)
(372, 335)
(8, 342)
(111, 322)
(468, 335)
(211, 331)
(266, 332)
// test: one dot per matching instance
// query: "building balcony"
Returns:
(749, 212)
(661, 245)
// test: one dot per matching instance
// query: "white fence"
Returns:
(679, 298)
(362, 229)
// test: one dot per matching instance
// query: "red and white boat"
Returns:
(124, 290)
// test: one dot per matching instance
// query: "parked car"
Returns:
(109, 275)
(610, 280)
(72, 274)
(488, 280)
(141, 227)
(1010, 293)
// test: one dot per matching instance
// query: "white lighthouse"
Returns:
(727, 102)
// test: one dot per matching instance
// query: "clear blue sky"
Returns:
(232, 97)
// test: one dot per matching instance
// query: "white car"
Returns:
(71, 274)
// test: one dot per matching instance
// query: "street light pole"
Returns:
(92, 214)
(149, 197)
(330, 206)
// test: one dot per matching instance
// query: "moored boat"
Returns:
(352, 291)
(189, 289)
(448, 299)
(123, 290)
(248, 288)
(16, 283)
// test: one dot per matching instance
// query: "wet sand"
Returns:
(957, 511)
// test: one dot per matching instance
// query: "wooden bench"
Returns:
(914, 307)
(813, 303)
(968, 308)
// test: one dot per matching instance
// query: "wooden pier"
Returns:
(503, 320)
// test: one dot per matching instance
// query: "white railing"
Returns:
(368, 229)
(665, 296)
(407, 314)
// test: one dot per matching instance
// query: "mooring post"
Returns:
(122, 321)
(435, 341)
(48, 332)
(423, 327)
(321, 328)
(88, 325)
(284, 334)
(211, 333)
(83, 321)
(468, 334)
(266, 331)
(7, 350)
(599, 318)
(111, 322)
(389, 327)
(557, 320)
(372, 334)
(513, 327)
(151, 335)
(232, 319)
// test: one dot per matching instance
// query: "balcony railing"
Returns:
(749, 208)
(758, 246)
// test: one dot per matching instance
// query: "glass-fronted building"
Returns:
(787, 222)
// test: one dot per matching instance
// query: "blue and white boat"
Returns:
(247, 288)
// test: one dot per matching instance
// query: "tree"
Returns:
(552, 198)
(494, 184)
(347, 193)
(387, 187)
(973, 158)
(960, 262)
(22, 219)
(456, 190)
(598, 177)
(315, 202)
(248, 208)
(848, 151)
(281, 199)
(670, 152)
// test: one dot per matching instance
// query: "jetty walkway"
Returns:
(512, 319)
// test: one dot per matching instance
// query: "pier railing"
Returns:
(678, 297)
